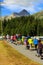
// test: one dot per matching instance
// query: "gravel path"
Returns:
(28, 53)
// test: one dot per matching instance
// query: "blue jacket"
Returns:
(35, 41)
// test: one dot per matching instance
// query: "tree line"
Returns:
(23, 25)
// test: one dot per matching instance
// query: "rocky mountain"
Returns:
(22, 13)
(15, 14)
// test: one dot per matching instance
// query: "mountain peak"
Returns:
(15, 14)
(24, 12)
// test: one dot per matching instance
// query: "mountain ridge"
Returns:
(15, 14)
(23, 12)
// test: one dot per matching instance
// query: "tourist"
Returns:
(25, 41)
(27, 45)
(35, 42)
(30, 41)
(40, 47)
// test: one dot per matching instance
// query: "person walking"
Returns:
(39, 49)
(30, 41)
(35, 42)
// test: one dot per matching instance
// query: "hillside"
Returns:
(7, 17)
(39, 15)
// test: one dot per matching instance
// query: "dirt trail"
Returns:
(10, 56)
(30, 54)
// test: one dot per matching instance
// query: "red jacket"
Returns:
(14, 37)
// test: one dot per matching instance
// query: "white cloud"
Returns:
(17, 4)
(22, 2)
(11, 3)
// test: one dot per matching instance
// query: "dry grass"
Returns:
(9, 56)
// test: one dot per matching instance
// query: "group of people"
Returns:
(28, 42)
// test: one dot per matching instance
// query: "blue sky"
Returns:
(9, 6)
(1, 0)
